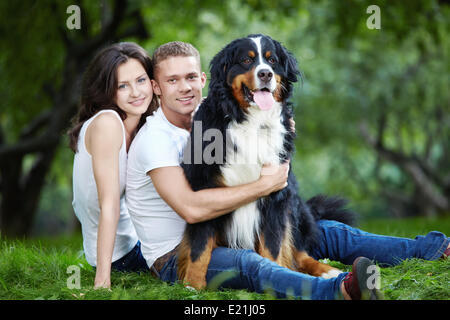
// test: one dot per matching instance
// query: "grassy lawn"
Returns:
(37, 269)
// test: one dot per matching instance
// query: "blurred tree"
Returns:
(55, 61)
(378, 101)
(410, 129)
(372, 111)
(42, 62)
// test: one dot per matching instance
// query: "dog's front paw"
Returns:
(190, 288)
(332, 273)
(194, 283)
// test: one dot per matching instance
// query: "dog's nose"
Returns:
(265, 75)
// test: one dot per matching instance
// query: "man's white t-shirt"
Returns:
(157, 144)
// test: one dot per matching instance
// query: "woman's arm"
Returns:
(210, 203)
(103, 141)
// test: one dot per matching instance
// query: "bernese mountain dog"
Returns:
(247, 104)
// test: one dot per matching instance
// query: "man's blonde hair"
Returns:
(174, 49)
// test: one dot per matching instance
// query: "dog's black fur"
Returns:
(280, 210)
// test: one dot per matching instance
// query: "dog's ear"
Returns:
(221, 63)
(219, 85)
(218, 65)
(289, 62)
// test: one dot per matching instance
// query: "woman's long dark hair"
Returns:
(99, 85)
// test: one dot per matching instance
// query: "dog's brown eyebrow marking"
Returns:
(251, 54)
(268, 54)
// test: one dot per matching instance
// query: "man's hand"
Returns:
(275, 176)
(292, 123)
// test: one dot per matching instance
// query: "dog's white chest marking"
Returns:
(262, 65)
(258, 140)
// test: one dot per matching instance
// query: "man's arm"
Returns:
(206, 204)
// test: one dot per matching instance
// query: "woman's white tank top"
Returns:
(85, 199)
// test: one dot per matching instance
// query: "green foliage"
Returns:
(416, 279)
(407, 228)
(25, 63)
(37, 269)
(351, 75)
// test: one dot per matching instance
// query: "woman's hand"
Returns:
(101, 281)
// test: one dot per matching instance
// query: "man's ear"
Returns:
(203, 79)
(156, 88)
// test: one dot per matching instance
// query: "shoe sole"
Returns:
(368, 275)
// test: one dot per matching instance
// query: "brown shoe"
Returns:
(363, 282)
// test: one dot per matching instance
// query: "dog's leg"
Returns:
(309, 265)
(263, 251)
(193, 265)
(284, 256)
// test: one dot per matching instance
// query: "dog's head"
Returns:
(257, 69)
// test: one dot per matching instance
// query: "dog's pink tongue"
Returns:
(263, 99)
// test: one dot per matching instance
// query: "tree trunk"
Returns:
(20, 189)
(21, 198)
(430, 196)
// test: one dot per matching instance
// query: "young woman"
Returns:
(116, 98)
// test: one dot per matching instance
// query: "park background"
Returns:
(372, 120)
(372, 109)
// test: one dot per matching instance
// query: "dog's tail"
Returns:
(331, 208)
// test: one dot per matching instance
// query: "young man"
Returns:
(160, 200)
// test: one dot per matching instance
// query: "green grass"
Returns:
(37, 269)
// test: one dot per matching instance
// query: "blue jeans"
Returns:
(133, 261)
(343, 243)
(245, 269)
